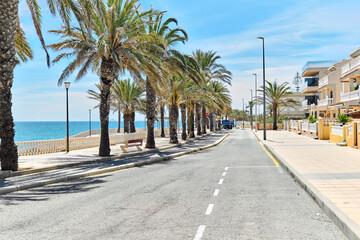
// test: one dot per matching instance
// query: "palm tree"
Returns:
(220, 100)
(276, 95)
(110, 39)
(115, 104)
(129, 94)
(209, 70)
(251, 105)
(14, 44)
(167, 38)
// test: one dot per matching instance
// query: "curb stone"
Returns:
(6, 174)
(349, 228)
(21, 187)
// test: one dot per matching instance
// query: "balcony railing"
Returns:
(323, 81)
(350, 66)
(349, 96)
(325, 102)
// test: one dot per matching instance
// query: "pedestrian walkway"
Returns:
(332, 170)
(83, 155)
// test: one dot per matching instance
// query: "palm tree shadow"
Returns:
(45, 193)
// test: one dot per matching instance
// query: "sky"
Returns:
(295, 32)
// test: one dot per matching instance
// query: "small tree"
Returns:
(297, 81)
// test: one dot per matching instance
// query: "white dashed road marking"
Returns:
(209, 209)
(224, 174)
(221, 181)
(227, 168)
(200, 232)
(216, 192)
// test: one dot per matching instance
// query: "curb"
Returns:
(6, 174)
(16, 188)
(350, 229)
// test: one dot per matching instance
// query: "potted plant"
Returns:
(343, 119)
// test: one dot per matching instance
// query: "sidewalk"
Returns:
(332, 172)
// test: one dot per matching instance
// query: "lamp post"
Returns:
(255, 101)
(90, 122)
(251, 106)
(243, 114)
(67, 86)
(264, 99)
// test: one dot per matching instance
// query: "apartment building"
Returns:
(312, 72)
(350, 81)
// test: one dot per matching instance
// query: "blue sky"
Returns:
(295, 32)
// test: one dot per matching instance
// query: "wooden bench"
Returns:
(132, 143)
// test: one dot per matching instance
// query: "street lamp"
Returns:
(264, 112)
(243, 114)
(255, 101)
(67, 86)
(90, 122)
(251, 99)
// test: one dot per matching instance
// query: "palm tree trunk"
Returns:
(132, 122)
(107, 76)
(191, 128)
(219, 122)
(150, 113)
(183, 121)
(8, 61)
(173, 121)
(204, 119)
(198, 119)
(211, 116)
(251, 118)
(162, 120)
(126, 122)
(274, 118)
(119, 119)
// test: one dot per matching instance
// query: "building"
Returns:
(312, 72)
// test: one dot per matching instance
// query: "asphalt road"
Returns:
(233, 191)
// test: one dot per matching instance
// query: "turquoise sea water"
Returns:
(30, 131)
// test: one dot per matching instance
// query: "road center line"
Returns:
(209, 209)
(224, 174)
(227, 168)
(221, 181)
(200, 232)
(216, 192)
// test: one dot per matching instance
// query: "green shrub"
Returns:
(343, 119)
(312, 119)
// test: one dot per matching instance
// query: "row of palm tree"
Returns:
(115, 38)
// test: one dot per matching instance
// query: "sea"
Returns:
(31, 131)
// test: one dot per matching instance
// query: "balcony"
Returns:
(350, 66)
(311, 85)
(323, 81)
(350, 96)
(326, 102)
(313, 67)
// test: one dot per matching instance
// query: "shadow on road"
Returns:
(44, 193)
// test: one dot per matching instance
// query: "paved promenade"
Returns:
(332, 170)
(77, 156)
